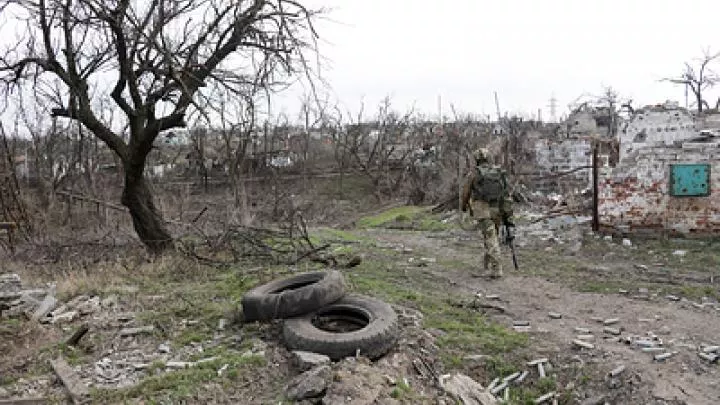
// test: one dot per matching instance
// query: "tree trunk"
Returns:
(147, 221)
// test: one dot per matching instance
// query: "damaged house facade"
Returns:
(563, 160)
(666, 180)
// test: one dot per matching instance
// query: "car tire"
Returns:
(293, 296)
(374, 327)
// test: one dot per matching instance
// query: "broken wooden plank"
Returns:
(79, 333)
(13, 295)
(583, 344)
(78, 391)
(136, 331)
(24, 401)
(617, 371)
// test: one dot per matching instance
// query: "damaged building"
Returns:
(666, 179)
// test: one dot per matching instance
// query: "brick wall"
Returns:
(553, 156)
(635, 198)
(560, 155)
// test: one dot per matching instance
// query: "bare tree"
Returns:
(380, 150)
(698, 78)
(161, 56)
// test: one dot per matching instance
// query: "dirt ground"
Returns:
(452, 322)
(682, 326)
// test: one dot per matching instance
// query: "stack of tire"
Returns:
(311, 306)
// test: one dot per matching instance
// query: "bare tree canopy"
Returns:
(698, 78)
(158, 61)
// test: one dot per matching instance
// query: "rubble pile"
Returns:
(15, 300)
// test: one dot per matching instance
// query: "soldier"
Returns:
(486, 194)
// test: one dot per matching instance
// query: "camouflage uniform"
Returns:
(486, 194)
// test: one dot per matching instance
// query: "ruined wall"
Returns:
(561, 155)
(635, 196)
(656, 127)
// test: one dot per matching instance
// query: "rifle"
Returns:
(510, 243)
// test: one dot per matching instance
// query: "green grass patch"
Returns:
(406, 217)
(397, 214)
(465, 331)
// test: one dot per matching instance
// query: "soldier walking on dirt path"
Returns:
(486, 194)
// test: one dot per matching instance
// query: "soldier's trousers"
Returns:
(488, 220)
(491, 261)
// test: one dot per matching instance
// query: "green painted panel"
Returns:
(690, 180)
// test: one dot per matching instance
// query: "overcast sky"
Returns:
(526, 50)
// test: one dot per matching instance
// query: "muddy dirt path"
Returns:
(683, 327)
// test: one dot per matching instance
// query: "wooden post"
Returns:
(596, 187)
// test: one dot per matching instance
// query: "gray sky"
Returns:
(526, 50)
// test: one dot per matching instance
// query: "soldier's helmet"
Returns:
(482, 155)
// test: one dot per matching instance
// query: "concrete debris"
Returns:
(583, 344)
(163, 348)
(652, 349)
(711, 349)
(222, 369)
(10, 283)
(188, 364)
(672, 297)
(522, 377)
(627, 242)
(521, 323)
(712, 358)
(583, 331)
(555, 315)
(500, 387)
(616, 371)
(467, 390)
(611, 321)
(664, 356)
(543, 399)
(597, 319)
(494, 383)
(89, 306)
(644, 343)
(541, 370)
(537, 361)
(48, 304)
(310, 384)
(585, 337)
(221, 324)
(127, 332)
(679, 253)
(307, 360)
(611, 331)
(68, 316)
(77, 389)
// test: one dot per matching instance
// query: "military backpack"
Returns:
(489, 185)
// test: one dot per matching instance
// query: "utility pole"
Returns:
(497, 107)
(553, 108)
(440, 114)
